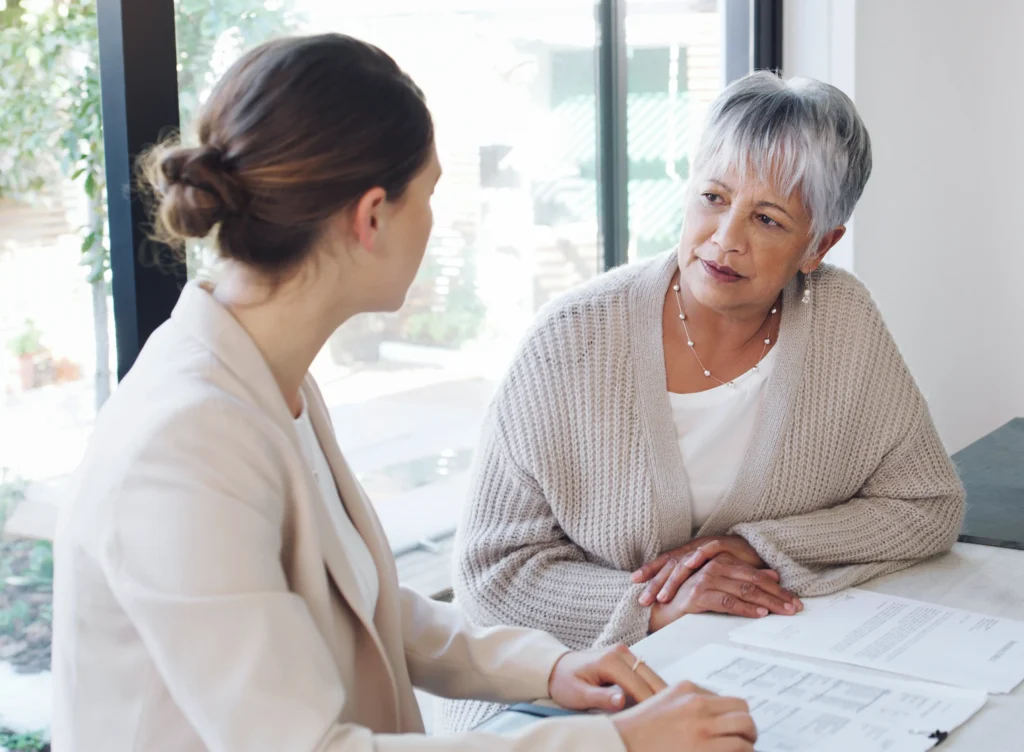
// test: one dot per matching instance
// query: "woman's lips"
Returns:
(720, 273)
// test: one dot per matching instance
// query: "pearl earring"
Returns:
(807, 289)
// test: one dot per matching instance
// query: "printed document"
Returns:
(799, 707)
(900, 635)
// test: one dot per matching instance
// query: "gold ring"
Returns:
(637, 664)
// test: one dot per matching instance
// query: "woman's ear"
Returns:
(827, 244)
(368, 217)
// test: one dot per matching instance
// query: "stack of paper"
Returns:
(899, 635)
(799, 707)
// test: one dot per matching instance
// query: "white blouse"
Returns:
(714, 429)
(365, 569)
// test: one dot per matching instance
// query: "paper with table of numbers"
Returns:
(799, 707)
(900, 635)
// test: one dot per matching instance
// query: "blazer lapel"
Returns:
(359, 510)
(201, 317)
(205, 320)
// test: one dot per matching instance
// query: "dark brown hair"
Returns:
(298, 129)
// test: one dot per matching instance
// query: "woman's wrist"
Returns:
(660, 617)
(554, 669)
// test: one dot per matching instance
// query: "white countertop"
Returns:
(978, 578)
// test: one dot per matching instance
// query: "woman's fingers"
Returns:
(619, 666)
(735, 723)
(728, 744)
(655, 682)
(752, 593)
(717, 705)
(715, 594)
(657, 583)
(763, 580)
(651, 568)
(609, 699)
(681, 572)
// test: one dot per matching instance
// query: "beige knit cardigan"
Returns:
(580, 479)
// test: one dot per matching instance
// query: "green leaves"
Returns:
(51, 122)
(90, 185)
(94, 253)
(51, 96)
(17, 742)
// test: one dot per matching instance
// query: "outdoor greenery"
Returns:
(26, 603)
(449, 315)
(12, 493)
(15, 742)
(51, 125)
(29, 342)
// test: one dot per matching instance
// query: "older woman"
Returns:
(733, 413)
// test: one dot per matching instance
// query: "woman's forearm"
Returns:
(551, 588)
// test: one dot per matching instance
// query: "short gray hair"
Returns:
(800, 134)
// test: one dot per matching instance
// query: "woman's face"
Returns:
(407, 227)
(390, 240)
(743, 242)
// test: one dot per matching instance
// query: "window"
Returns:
(57, 343)
(516, 225)
(676, 54)
(518, 216)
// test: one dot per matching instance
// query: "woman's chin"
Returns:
(713, 294)
(396, 303)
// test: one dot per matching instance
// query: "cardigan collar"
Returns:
(672, 496)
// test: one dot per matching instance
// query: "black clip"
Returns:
(939, 736)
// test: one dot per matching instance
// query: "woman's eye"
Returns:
(767, 221)
(711, 198)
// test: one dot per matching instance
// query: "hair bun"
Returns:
(199, 190)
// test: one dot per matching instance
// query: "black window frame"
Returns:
(138, 75)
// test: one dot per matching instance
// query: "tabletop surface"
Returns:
(979, 578)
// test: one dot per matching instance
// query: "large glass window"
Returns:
(676, 67)
(516, 224)
(516, 218)
(56, 320)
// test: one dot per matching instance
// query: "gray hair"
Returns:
(799, 134)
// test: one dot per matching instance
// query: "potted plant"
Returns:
(27, 347)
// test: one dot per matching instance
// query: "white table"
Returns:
(979, 578)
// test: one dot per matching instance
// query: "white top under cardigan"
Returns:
(364, 568)
(714, 429)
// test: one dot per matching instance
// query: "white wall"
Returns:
(940, 230)
(817, 41)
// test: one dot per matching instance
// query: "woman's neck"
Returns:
(728, 331)
(289, 323)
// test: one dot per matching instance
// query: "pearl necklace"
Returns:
(690, 343)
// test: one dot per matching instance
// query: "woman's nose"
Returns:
(730, 235)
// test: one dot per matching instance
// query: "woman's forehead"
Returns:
(736, 180)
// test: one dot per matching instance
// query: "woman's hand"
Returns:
(602, 679)
(686, 717)
(665, 574)
(727, 585)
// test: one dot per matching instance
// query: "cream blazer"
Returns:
(203, 599)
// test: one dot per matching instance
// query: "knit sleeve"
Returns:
(909, 509)
(516, 566)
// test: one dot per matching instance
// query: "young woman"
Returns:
(223, 582)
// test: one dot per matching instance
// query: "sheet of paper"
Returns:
(799, 707)
(904, 636)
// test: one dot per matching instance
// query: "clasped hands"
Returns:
(723, 574)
